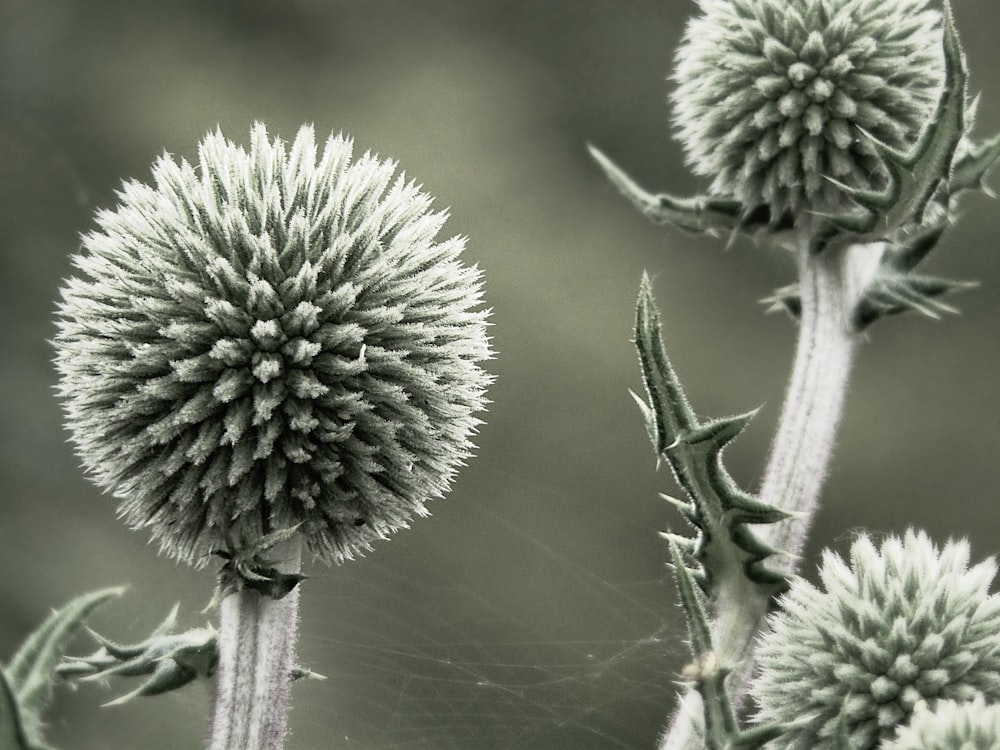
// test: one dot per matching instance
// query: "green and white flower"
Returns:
(774, 96)
(269, 340)
(902, 623)
(950, 726)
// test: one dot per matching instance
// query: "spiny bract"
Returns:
(903, 623)
(773, 95)
(268, 340)
(950, 726)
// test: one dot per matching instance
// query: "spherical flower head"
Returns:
(950, 726)
(900, 624)
(773, 96)
(269, 340)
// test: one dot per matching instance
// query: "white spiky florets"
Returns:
(270, 340)
(950, 726)
(773, 95)
(901, 624)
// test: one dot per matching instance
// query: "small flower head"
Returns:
(901, 624)
(950, 726)
(773, 95)
(270, 340)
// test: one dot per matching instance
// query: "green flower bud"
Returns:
(269, 341)
(773, 95)
(901, 624)
(950, 726)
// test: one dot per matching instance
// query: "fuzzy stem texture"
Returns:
(831, 283)
(256, 650)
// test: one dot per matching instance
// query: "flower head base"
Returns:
(950, 726)
(902, 624)
(269, 341)
(774, 97)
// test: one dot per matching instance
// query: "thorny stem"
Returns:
(831, 283)
(256, 649)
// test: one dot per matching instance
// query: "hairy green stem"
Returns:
(256, 648)
(831, 283)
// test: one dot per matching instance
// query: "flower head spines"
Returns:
(267, 340)
(771, 95)
(899, 624)
(950, 725)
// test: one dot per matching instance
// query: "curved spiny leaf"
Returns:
(701, 214)
(971, 168)
(915, 176)
(716, 506)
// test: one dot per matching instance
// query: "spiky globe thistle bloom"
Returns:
(773, 95)
(902, 623)
(269, 340)
(950, 726)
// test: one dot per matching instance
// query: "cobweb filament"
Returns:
(434, 658)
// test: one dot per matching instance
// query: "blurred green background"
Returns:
(531, 610)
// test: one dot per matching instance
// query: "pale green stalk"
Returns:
(257, 635)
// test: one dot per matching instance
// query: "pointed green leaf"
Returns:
(169, 660)
(167, 675)
(301, 673)
(31, 671)
(787, 298)
(716, 506)
(722, 731)
(972, 167)
(668, 403)
(905, 256)
(699, 631)
(116, 652)
(891, 295)
(74, 668)
(916, 175)
(897, 288)
(168, 623)
(709, 215)
(113, 652)
(648, 417)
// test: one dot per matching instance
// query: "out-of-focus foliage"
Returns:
(28, 680)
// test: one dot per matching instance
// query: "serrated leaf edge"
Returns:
(716, 506)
